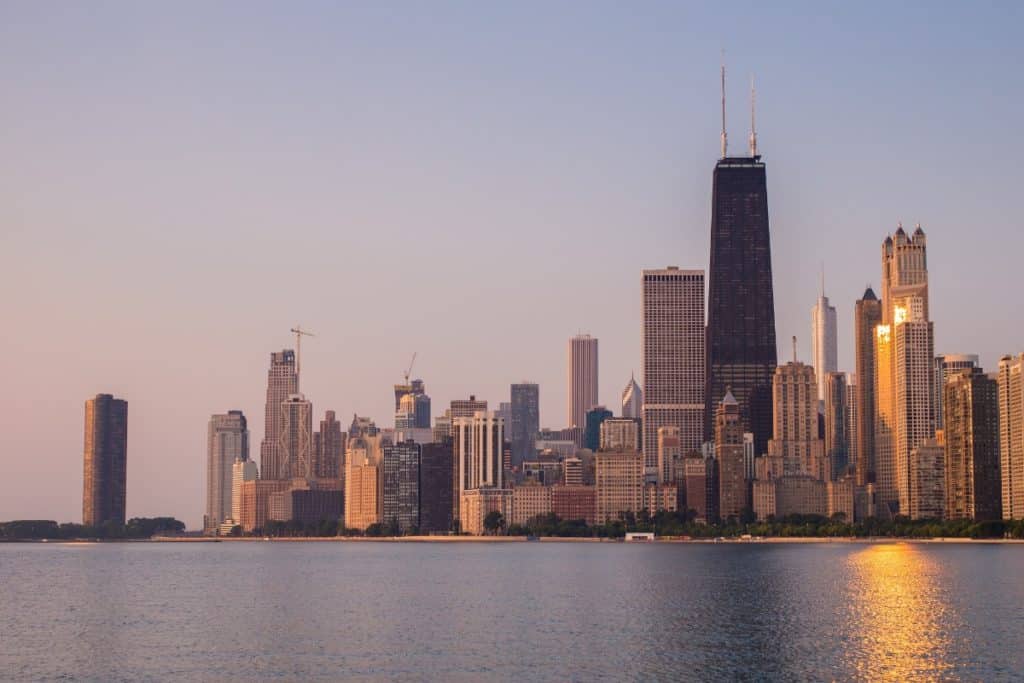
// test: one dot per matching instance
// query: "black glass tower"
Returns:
(741, 351)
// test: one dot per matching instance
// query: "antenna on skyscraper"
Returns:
(724, 139)
(753, 121)
(823, 279)
(794, 348)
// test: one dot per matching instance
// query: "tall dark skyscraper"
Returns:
(741, 351)
(105, 473)
(524, 421)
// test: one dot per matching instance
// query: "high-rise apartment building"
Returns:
(227, 441)
(973, 486)
(795, 423)
(105, 475)
(732, 483)
(295, 444)
(741, 349)
(673, 357)
(241, 472)
(524, 421)
(867, 316)
(824, 341)
(478, 444)
(363, 500)
(632, 400)
(1011, 435)
(619, 477)
(927, 481)
(581, 378)
(282, 382)
(401, 486)
(945, 365)
(436, 500)
(462, 407)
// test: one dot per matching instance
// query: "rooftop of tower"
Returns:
(741, 162)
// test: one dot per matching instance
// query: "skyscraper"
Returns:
(105, 472)
(581, 378)
(795, 422)
(295, 444)
(227, 441)
(478, 445)
(282, 382)
(673, 357)
(436, 503)
(592, 431)
(973, 487)
(947, 364)
(904, 360)
(1011, 435)
(837, 424)
(867, 316)
(330, 448)
(741, 350)
(401, 486)
(524, 423)
(824, 340)
(633, 399)
(669, 452)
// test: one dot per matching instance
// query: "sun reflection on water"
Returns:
(902, 617)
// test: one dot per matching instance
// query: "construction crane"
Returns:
(299, 334)
(408, 370)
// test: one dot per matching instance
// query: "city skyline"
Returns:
(154, 363)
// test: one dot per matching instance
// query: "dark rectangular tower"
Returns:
(741, 351)
(105, 474)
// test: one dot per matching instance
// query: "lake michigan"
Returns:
(511, 611)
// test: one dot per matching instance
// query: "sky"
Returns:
(182, 183)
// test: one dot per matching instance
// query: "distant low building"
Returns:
(529, 501)
(477, 503)
(574, 503)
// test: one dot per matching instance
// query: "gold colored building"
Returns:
(795, 421)
(477, 503)
(1011, 435)
(529, 501)
(620, 483)
(363, 491)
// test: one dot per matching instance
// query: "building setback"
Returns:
(105, 471)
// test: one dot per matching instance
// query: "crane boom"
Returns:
(408, 370)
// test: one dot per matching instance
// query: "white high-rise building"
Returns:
(673, 357)
(478, 444)
(227, 440)
(824, 339)
(632, 400)
(581, 378)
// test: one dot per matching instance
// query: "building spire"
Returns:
(753, 120)
(724, 137)
(822, 279)
(794, 348)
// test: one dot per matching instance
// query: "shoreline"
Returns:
(793, 540)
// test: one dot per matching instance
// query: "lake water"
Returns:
(523, 611)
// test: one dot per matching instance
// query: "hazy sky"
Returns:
(182, 183)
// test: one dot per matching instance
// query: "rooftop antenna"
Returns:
(299, 334)
(822, 279)
(794, 348)
(753, 121)
(724, 138)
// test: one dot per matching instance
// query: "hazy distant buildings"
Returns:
(227, 441)
(1011, 435)
(105, 472)
(462, 407)
(282, 382)
(673, 357)
(581, 378)
(412, 405)
(945, 365)
(632, 400)
(867, 316)
(741, 350)
(824, 341)
(524, 421)
(973, 487)
(837, 424)
(329, 448)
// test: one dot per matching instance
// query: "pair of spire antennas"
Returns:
(753, 121)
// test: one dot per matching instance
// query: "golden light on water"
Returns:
(902, 616)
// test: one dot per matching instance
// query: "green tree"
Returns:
(494, 521)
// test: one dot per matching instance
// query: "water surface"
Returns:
(523, 611)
